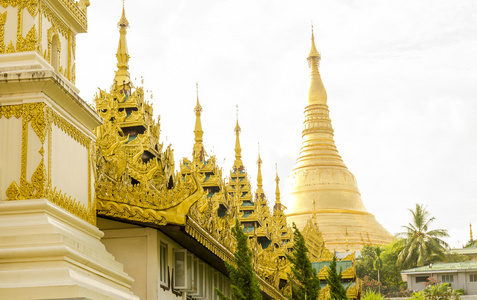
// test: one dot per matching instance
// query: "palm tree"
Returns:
(418, 244)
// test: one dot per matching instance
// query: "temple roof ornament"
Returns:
(278, 204)
(198, 152)
(122, 77)
(238, 164)
(259, 174)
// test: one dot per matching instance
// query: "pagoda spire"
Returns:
(198, 151)
(238, 165)
(259, 173)
(278, 205)
(122, 74)
(317, 91)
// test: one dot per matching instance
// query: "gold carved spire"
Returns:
(122, 74)
(238, 151)
(198, 151)
(317, 91)
(259, 173)
(278, 204)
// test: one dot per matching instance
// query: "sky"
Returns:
(401, 78)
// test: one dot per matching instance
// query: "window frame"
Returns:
(448, 278)
(163, 264)
(419, 279)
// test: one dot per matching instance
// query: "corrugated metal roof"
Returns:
(468, 265)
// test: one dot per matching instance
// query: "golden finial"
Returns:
(317, 92)
(237, 127)
(198, 151)
(197, 108)
(123, 21)
(314, 56)
(122, 79)
(259, 173)
(471, 237)
(259, 161)
(238, 150)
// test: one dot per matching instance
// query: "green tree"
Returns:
(419, 245)
(304, 281)
(378, 264)
(390, 272)
(391, 283)
(364, 263)
(337, 291)
(244, 282)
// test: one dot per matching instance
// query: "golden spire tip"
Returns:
(259, 161)
(197, 108)
(237, 127)
(123, 21)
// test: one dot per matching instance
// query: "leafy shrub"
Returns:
(438, 292)
(372, 295)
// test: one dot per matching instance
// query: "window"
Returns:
(199, 280)
(447, 278)
(421, 279)
(473, 277)
(210, 283)
(190, 276)
(163, 266)
(180, 271)
(216, 284)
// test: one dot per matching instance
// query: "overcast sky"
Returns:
(401, 78)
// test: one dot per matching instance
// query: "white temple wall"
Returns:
(69, 166)
(10, 153)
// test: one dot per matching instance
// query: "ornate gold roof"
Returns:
(213, 215)
(321, 185)
(135, 176)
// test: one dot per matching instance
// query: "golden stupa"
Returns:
(321, 186)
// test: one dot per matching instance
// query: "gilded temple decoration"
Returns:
(41, 14)
(41, 118)
(211, 218)
(135, 176)
(3, 19)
